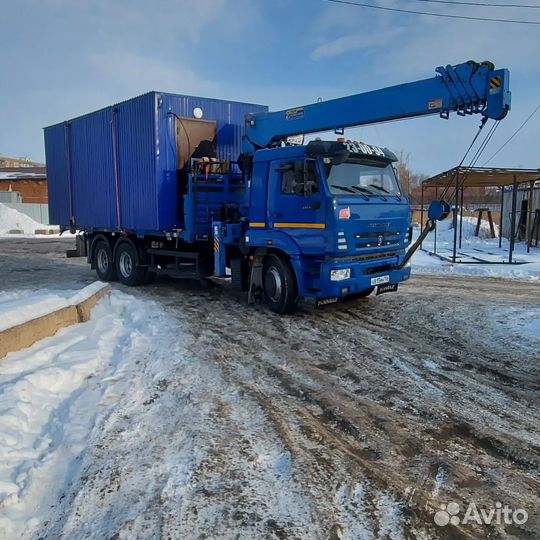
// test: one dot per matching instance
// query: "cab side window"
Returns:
(291, 177)
(299, 178)
(287, 182)
(311, 177)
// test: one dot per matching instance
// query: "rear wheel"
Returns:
(127, 265)
(103, 262)
(279, 281)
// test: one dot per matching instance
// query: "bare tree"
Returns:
(404, 172)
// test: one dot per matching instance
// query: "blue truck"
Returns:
(192, 187)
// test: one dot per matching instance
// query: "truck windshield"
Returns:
(361, 179)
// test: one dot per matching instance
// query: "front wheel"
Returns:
(279, 281)
(127, 265)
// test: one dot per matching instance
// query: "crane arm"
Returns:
(467, 88)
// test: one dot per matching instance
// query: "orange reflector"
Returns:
(345, 213)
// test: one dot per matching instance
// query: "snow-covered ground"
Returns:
(188, 416)
(482, 247)
(18, 307)
(48, 404)
(179, 412)
(54, 394)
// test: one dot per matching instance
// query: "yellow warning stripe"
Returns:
(494, 82)
(300, 225)
(216, 244)
(256, 224)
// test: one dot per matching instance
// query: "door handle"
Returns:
(276, 215)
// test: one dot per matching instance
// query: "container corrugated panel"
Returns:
(136, 143)
(92, 170)
(144, 132)
(58, 194)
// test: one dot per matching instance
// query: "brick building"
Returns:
(30, 182)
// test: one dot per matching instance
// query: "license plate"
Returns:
(381, 289)
(379, 280)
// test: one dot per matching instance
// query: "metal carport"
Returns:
(460, 178)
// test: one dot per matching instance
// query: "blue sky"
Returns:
(62, 58)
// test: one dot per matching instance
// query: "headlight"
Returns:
(340, 274)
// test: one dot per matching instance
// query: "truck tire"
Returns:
(127, 265)
(279, 282)
(103, 261)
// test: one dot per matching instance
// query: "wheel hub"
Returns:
(126, 264)
(103, 261)
(273, 285)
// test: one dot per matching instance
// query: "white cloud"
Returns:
(128, 74)
(410, 46)
(356, 42)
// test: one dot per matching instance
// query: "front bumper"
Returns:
(362, 274)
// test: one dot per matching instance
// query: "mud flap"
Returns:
(255, 292)
(381, 289)
(80, 247)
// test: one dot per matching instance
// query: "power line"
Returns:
(513, 135)
(485, 4)
(414, 12)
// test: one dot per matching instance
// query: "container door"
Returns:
(194, 139)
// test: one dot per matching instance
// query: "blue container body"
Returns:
(115, 169)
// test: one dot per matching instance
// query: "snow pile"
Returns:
(44, 415)
(468, 228)
(19, 308)
(11, 219)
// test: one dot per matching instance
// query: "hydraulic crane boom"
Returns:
(467, 88)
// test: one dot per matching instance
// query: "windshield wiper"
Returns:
(380, 188)
(362, 191)
(344, 188)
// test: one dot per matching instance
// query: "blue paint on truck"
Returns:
(136, 189)
(188, 187)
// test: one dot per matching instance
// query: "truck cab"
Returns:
(330, 217)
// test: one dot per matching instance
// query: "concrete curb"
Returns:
(26, 334)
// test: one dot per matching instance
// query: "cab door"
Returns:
(296, 203)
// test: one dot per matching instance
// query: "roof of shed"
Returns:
(23, 173)
(482, 177)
